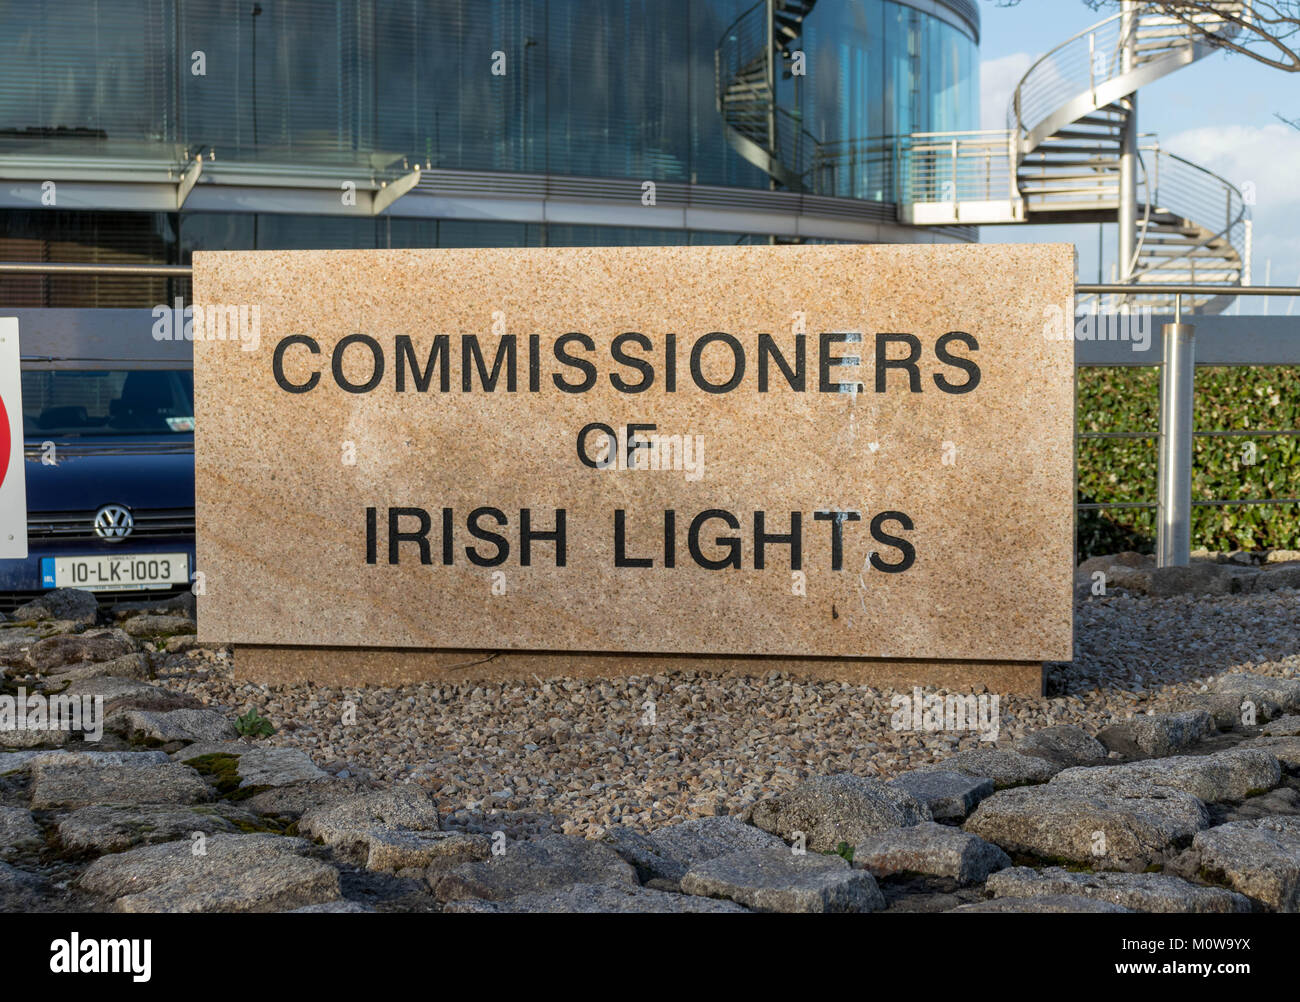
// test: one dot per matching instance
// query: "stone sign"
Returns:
(801, 452)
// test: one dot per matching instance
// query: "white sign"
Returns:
(13, 478)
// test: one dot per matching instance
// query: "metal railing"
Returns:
(1094, 56)
(1177, 433)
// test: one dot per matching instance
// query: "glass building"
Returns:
(142, 130)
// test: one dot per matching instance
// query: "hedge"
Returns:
(1228, 398)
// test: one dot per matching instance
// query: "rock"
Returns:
(1140, 892)
(667, 853)
(103, 828)
(513, 824)
(181, 642)
(266, 767)
(340, 907)
(1261, 689)
(1047, 904)
(349, 822)
(1156, 734)
(834, 809)
(296, 799)
(1283, 727)
(1283, 800)
(1131, 579)
(1005, 767)
(33, 738)
(1194, 579)
(153, 626)
(93, 645)
(1228, 775)
(72, 604)
(1260, 859)
(16, 761)
(1225, 709)
(16, 642)
(394, 849)
(177, 605)
(18, 832)
(597, 899)
(1126, 559)
(949, 796)
(236, 873)
(119, 692)
(1064, 744)
(72, 786)
(259, 767)
(1287, 750)
(93, 759)
(931, 849)
(21, 891)
(1103, 831)
(549, 863)
(129, 666)
(180, 725)
(779, 880)
(1273, 577)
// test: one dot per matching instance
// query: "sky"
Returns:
(1218, 112)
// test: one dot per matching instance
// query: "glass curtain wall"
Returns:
(611, 88)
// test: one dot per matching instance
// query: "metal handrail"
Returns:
(1062, 84)
(1015, 117)
(139, 270)
(185, 270)
(1100, 288)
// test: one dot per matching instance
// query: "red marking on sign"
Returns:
(4, 441)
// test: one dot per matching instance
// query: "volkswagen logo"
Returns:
(113, 522)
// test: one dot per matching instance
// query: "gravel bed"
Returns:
(583, 751)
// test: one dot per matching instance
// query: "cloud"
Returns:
(998, 79)
(1263, 156)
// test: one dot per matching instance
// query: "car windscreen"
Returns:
(108, 402)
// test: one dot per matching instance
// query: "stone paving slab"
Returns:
(834, 809)
(949, 796)
(1103, 831)
(236, 873)
(1229, 775)
(1142, 892)
(599, 899)
(667, 853)
(72, 786)
(778, 880)
(932, 849)
(1045, 905)
(1260, 859)
(548, 864)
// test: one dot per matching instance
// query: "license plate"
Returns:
(118, 572)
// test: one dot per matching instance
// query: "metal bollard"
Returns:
(1174, 513)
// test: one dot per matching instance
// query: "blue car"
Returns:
(110, 483)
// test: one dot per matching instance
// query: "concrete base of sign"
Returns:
(385, 666)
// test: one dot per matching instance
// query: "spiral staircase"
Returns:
(1062, 158)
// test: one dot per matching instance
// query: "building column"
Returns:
(1126, 215)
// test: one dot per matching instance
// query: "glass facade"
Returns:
(608, 88)
(588, 88)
